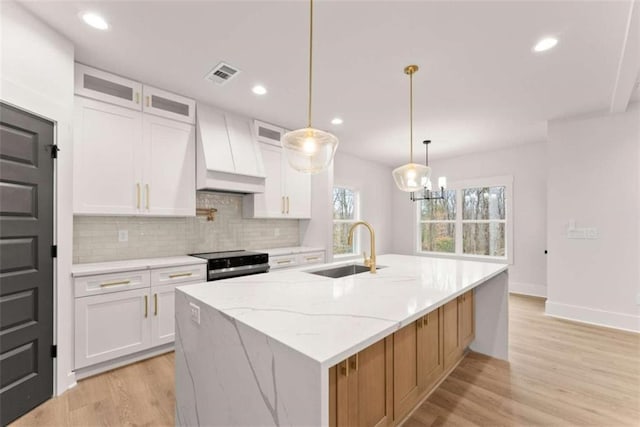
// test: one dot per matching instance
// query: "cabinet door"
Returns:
(107, 177)
(451, 339)
(169, 105)
(406, 368)
(170, 162)
(297, 192)
(374, 374)
(107, 87)
(431, 351)
(247, 159)
(467, 319)
(271, 203)
(111, 325)
(162, 314)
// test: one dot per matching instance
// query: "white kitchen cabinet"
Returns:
(247, 158)
(111, 325)
(287, 192)
(163, 317)
(97, 84)
(107, 158)
(169, 172)
(294, 257)
(169, 105)
(124, 313)
(130, 163)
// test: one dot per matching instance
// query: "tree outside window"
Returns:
(345, 213)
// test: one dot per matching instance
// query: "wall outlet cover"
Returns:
(195, 312)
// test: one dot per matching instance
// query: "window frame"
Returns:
(356, 235)
(505, 181)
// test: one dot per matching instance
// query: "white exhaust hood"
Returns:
(227, 153)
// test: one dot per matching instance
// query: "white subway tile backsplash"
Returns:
(95, 238)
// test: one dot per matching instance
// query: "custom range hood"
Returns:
(227, 153)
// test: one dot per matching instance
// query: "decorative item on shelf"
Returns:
(210, 213)
(427, 192)
(412, 176)
(309, 150)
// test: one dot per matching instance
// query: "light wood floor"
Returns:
(560, 374)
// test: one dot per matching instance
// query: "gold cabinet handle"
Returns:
(137, 97)
(283, 261)
(312, 258)
(138, 195)
(146, 306)
(287, 204)
(173, 276)
(420, 322)
(147, 194)
(344, 368)
(425, 320)
(148, 103)
(354, 362)
(282, 210)
(155, 304)
(116, 283)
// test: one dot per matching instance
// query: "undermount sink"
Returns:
(342, 271)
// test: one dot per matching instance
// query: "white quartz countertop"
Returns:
(330, 319)
(78, 270)
(290, 250)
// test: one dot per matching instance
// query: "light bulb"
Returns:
(428, 184)
(411, 174)
(309, 145)
(442, 182)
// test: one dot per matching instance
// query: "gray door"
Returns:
(26, 263)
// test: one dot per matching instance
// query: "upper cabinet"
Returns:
(127, 162)
(103, 86)
(287, 192)
(169, 105)
(228, 156)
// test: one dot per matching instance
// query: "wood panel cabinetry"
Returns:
(361, 391)
(383, 383)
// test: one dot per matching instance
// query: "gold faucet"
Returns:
(369, 262)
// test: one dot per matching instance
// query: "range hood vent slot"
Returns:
(222, 73)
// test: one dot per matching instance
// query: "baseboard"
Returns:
(531, 289)
(109, 365)
(609, 319)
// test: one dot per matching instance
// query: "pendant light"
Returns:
(412, 176)
(309, 150)
(427, 192)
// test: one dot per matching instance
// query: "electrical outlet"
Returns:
(195, 312)
(123, 235)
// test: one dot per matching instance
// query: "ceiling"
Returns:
(480, 86)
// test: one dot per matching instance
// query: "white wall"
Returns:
(527, 165)
(593, 179)
(374, 183)
(37, 76)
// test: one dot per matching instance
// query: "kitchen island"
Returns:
(294, 348)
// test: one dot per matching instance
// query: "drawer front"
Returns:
(181, 274)
(283, 261)
(311, 258)
(113, 282)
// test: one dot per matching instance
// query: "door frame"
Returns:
(60, 113)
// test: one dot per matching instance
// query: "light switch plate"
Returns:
(195, 312)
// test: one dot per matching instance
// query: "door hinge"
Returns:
(54, 151)
(54, 251)
(54, 351)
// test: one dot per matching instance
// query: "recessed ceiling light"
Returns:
(95, 20)
(545, 44)
(259, 90)
(336, 121)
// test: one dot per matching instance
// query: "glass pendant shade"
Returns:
(411, 177)
(309, 150)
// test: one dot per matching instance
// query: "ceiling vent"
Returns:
(222, 73)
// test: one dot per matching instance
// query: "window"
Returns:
(345, 213)
(472, 220)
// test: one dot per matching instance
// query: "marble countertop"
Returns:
(79, 270)
(330, 319)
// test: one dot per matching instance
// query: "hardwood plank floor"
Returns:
(560, 373)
